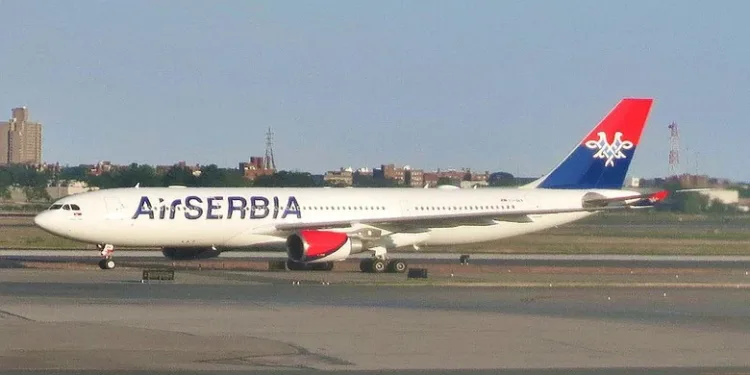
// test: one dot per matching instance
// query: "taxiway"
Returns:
(111, 321)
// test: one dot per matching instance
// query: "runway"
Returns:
(225, 321)
(538, 260)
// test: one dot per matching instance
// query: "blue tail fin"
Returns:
(602, 158)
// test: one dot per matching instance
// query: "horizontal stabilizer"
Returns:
(635, 201)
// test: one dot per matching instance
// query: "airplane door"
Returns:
(115, 208)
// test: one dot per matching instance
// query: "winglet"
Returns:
(659, 196)
(651, 199)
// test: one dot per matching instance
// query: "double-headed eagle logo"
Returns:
(609, 151)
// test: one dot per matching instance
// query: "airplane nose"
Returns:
(43, 220)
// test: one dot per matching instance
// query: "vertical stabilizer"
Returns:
(601, 160)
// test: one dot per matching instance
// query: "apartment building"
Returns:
(20, 139)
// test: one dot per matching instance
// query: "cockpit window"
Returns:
(55, 207)
(66, 207)
(75, 207)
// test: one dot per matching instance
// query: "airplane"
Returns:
(320, 226)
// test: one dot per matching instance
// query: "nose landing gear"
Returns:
(107, 264)
(106, 250)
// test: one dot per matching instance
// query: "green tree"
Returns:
(213, 176)
(502, 179)
(179, 175)
(79, 173)
(6, 181)
(235, 178)
(742, 190)
(367, 180)
(286, 179)
(36, 193)
(718, 207)
(143, 174)
(690, 202)
(22, 175)
(210, 176)
(106, 180)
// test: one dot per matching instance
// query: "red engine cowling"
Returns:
(312, 246)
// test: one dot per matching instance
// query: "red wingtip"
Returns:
(628, 118)
(658, 196)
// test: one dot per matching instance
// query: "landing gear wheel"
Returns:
(397, 266)
(377, 266)
(365, 266)
(106, 264)
(327, 266)
(295, 266)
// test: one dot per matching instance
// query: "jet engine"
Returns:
(312, 246)
(189, 253)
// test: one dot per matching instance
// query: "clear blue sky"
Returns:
(492, 85)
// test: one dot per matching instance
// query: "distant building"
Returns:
(391, 172)
(452, 174)
(718, 182)
(634, 182)
(342, 177)
(195, 170)
(364, 171)
(725, 196)
(72, 187)
(743, 205)
(690, 181)
(481, 177)
(415, 177)
(255, 168)
(101, 167)
(430, 179)
(20, 139)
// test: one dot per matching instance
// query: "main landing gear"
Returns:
(106, 250)
(380, 265)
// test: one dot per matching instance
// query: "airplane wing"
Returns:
(488, 217)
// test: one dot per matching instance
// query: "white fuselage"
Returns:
(224, 217)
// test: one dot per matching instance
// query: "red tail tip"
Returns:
(627, 118)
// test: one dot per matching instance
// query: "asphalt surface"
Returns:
(283, 322)
(571, 371)
(9, 256)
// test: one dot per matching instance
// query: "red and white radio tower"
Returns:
(674, 150)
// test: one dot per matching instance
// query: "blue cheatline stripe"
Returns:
(582, 171)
